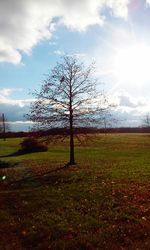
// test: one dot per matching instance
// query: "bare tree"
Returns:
(68, 98)
(4, 126)
(108, 119)
(146, 121)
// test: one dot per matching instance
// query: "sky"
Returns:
(113, 33)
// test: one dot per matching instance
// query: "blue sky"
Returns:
(113, 33)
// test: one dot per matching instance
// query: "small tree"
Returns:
(4, 127)
(146, 121)
(2, 123)
(68, 98)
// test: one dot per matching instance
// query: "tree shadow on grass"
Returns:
(5, 165)
(50, 178)
(33, 179)
(18, 153)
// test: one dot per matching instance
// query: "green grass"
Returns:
(100, 203)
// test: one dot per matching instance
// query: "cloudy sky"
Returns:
(114, 33)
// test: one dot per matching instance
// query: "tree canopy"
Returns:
(68, 98)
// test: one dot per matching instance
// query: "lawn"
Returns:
(103, 202)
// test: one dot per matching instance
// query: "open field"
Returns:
(103, 202)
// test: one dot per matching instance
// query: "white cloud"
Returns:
(5, 92)
(130, 110)
(129, 104)
(59, 52)
(9, 54)
(148, 1)
(8, 91)
(6, 99)
(119, 7)
(23, 24)
(14, 109)
(12, 102)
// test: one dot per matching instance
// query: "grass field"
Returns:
(103, 202)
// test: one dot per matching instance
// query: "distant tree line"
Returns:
(60, 131)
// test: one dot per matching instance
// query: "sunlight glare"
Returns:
(132, 64)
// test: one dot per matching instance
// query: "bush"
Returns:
(31, 145)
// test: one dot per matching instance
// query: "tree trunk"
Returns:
(72, 161)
